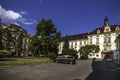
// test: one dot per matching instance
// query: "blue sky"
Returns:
(69, 16)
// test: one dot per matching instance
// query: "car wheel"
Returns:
(71, 62)
(56, 61)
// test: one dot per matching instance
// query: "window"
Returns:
(75, 45)
(90, 54)
(71, 45)
(97, 55)
(84, 42)
(90, 41)
(97, 40)
(80, 42)
(107, 30)
(105, 40)
(105, 49)
(109, 40)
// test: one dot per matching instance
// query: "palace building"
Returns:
(104, 36)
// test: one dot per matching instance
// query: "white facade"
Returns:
(104, 37)
(117, 56)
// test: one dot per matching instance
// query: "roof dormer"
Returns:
(117, 28)
(98, 31)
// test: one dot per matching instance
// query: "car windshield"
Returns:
(67, 56)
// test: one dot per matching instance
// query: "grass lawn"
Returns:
(24, 61)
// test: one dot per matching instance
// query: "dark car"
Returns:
(109, 60)
(65, 59)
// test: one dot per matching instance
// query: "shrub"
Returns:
(5, 53)
(52, 56)
(71, 52)
(84, 57)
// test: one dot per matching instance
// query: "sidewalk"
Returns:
(117, 62)
(117, 65)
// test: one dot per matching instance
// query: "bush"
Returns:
(84, 57)
(52, 56)
(5, 53)
(70, 52)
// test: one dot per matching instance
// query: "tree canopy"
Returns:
(7, 37)
(47, 38)
(85, 50)
(66, 50)
(1, 45)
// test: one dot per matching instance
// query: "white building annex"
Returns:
(104, 36)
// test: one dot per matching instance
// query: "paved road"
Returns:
(103, 70)
(47, 71)
(83, 70)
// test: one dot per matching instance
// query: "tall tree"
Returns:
(7, 37)
(66, 50)
(65, 45)
(35, 46)
(48, 35)
(1, 45)
(55, 40)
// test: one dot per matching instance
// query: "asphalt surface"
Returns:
(83, 70)
(47, 71)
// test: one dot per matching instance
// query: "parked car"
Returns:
(109, 60)
(65, 59)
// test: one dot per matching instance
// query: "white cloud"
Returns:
(23, 12)
(27, 22)
(10, 16)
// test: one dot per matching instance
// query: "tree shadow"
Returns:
(102, 72)
(7, 59)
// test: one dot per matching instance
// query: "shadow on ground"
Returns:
(7, 59)
(103, 71)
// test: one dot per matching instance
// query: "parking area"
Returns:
(47, 71)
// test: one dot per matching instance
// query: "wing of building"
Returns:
(104, 36)
(16, 32)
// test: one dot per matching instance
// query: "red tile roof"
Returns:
(112, 27)
(84, 35)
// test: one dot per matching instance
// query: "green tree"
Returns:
(66, 50)
(35, 46)
(48, 35)
(7, 37)
(19, 45)
(65, 45)
(85, 50)
(1, 45)
(55, 40)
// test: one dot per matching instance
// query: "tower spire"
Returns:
(106, 21)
